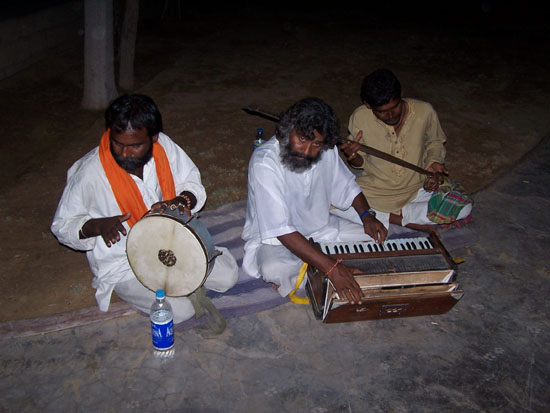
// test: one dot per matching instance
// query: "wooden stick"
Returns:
(262, 113)
(389, 158)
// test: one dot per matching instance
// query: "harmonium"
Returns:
(403, 277)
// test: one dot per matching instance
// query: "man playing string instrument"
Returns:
(408, 129)
(293, 179)
(135, 168)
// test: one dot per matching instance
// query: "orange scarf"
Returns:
(124, 188)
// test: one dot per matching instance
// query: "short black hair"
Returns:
(133, 112)
(307, 115)
(379, 87)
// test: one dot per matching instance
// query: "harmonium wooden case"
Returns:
(403, 277)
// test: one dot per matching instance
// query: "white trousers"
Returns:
(415, 212)
(223, 276)
(281, 267)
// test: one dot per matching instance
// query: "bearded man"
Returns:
(135, 168)
(293, 180)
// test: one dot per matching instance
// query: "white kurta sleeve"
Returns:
(73, 212)
(274, 218)
(344, 187)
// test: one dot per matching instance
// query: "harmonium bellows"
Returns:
(403, 277)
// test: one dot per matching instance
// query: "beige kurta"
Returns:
(389, 187)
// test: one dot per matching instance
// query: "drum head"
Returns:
(165, 253)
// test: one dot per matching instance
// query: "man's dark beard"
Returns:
(133, 164)
(296, 161)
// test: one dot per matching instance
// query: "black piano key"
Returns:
(421, 243)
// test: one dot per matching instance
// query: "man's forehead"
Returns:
(316, 135)
(392, 104)
(140, 134)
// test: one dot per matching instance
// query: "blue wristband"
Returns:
(367, 211)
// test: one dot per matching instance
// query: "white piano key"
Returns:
(403, 244)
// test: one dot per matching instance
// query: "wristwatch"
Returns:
(367, 212)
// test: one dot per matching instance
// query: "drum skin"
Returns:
(170, 251)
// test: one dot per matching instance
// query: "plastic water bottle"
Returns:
(162, 327)
(259, 139)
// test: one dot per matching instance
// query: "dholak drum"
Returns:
(171, 251)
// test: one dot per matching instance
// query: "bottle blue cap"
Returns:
(160, 293)
(260, 130)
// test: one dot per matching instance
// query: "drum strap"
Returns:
(203, 306)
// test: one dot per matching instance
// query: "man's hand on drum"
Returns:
(108, 228)
(183, 202)
(345, 284)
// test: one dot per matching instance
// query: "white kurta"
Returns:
(281, 201)
(88, 195)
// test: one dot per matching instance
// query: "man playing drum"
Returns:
(135, 168)
(293, 179)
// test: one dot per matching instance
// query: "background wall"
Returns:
(33, 31)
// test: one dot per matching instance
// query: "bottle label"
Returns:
(163, 335)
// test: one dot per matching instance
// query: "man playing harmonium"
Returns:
(293, 180)
(408, 129)
(135, 168)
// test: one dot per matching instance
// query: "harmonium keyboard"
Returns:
(398, 278)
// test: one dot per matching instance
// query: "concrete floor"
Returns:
(489, 353)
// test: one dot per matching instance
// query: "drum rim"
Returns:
(201, 242)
